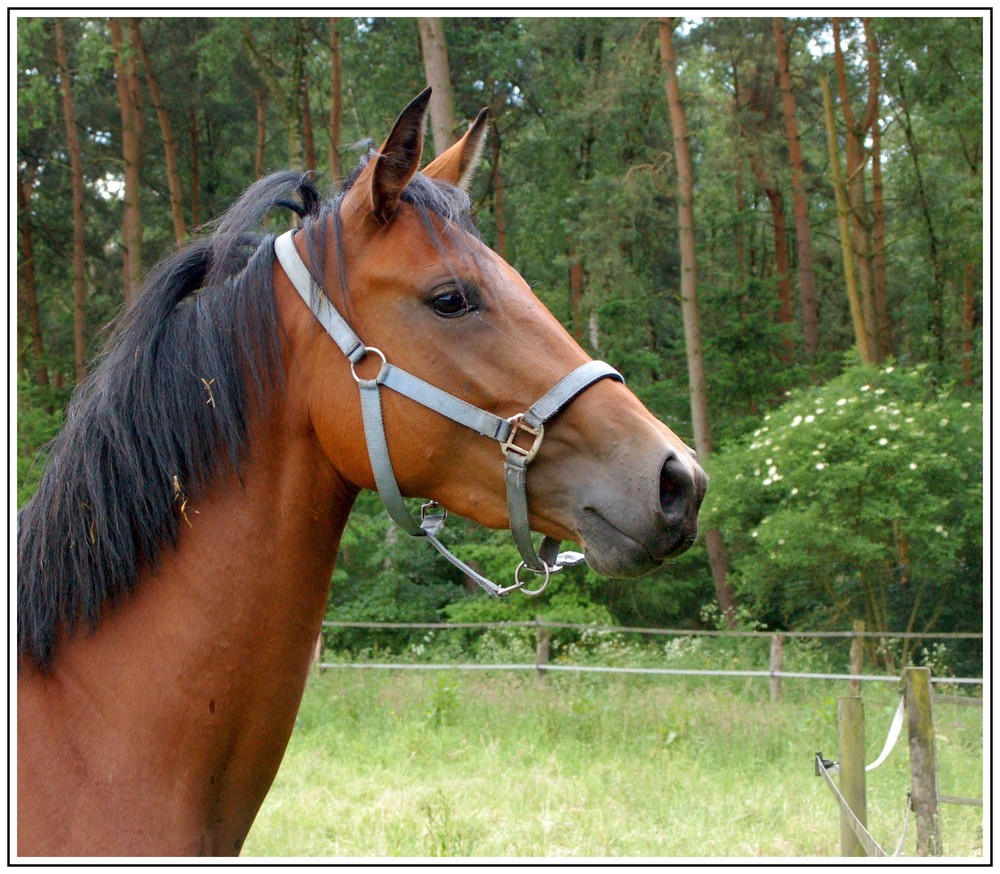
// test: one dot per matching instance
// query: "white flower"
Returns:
(820, 465)
(796, 421)
(809, 419)
(841, 402)
(882, 441)
(913, 466)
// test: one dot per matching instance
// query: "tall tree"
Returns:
(166, 132)
(689, 305)
(336, 100)
(79, 228)
(127, 85)
(800, 202)
(883, 319)
(861, 336)
(442, 107)
(27, 290)
(856, 130)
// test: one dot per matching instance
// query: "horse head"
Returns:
(406, 270)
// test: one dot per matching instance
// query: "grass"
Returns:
(448, 764)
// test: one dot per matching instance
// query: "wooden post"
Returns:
(777, 660)
(923, 760)
(851, 724)
(317, 655)
(542, 639)
(857, 658)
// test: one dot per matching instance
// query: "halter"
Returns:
(547, 560)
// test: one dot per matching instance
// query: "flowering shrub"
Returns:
(859, 498)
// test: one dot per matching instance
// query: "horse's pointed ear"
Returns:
(382, 182)
(458, 164)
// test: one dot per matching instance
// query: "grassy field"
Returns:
(442, 763)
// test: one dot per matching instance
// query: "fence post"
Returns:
(923, 760)
(777, 660)
(542, 639)
(851, 725)
(857, 658)
(317, 656)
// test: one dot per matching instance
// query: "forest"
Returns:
(772, 227)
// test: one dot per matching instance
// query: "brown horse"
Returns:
(175, 563)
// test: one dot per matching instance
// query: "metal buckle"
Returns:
(517, 425)
(433, 506)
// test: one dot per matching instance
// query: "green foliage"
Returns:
(588, 178)
(39, 418)
(860, 497)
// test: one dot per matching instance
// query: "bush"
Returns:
(861, 497)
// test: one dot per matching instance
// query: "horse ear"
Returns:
(458, 164)
(382, 182)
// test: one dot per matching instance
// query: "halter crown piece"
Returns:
(547, 560)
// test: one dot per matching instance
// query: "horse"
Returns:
(175, 563)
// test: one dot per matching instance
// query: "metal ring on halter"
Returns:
(381, 370)
(520, 585)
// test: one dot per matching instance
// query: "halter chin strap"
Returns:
(547, 560)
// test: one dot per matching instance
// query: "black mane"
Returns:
(169, 403)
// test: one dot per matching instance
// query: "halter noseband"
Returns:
(547, 560)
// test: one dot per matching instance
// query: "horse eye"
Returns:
(451, 304)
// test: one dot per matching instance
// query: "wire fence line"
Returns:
(675, 632)
(543, 665)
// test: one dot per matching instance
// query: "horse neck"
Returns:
(190, 687)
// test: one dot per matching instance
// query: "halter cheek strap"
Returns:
(531, 424)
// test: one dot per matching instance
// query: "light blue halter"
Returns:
(547, 560)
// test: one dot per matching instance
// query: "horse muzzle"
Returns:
(632, 520)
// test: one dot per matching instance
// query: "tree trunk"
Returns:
(857, 317)
(27, 292)
(883, 318)
(968, 322)
(308, 138)
(195, 168)
(800, 201)
(739, 238)
(79, 228)
(786, 312)
(336, 101)
(783, 267)
(935, 293)
(260, 97)
(166, 131)
(689, 305)
(860, 222)
(126, 83)
(442, 108)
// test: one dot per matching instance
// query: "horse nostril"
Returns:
(675, 487)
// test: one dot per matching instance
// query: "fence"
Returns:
(774, 673)
(916, 708)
